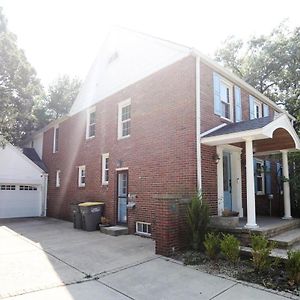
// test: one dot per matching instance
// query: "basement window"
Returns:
(143, 228)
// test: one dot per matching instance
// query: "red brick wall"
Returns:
(160, 153)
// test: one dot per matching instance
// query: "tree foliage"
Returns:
(24, 104)
(19, 87)
(270, 63)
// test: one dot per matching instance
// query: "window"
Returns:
(260, 177)
(27, 188)
(57, 182)
(124, 119)
(105, 168)
(81, 176)
(91, 123)
(55, 139)
(143, 228)
(226, 99)
(7, 187)
(257, 109)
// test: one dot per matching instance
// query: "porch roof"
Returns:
(268, 133)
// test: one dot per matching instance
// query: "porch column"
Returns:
(286, 185)
(251, 214)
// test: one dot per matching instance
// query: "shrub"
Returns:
(197, 221)
(212, 244)
(230, 247)
(293, 266)
(261, 250)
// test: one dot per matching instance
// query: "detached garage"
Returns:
(23, 183)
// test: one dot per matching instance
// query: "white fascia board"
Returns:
(212, 130)
(240, 82)
(236, 137)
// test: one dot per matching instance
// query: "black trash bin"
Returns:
(77, 218)
(91, 213)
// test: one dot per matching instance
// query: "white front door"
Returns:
(20, 200)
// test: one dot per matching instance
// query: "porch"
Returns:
(238, 145)
(286, 233)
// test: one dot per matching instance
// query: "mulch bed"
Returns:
(274, 278)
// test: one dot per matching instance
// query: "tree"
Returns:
(270, 63)
(61, 95)
(19, 87)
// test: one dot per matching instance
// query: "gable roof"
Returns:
(33, 156)
(125, 58)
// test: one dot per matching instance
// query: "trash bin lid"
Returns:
(90, 203)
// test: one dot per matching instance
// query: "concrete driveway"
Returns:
(45, 258)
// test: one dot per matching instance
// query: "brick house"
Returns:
(154, 123)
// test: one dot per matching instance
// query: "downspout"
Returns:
(44, 213)
(198, 127)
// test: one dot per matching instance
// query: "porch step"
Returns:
(115, 230)
(287, 239)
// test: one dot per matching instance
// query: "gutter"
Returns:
(198, 125)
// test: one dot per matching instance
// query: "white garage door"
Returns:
(20, 200)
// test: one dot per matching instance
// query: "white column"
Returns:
(286, 185)
(251, 214)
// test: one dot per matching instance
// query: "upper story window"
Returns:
(124, 119)
(57, 181)
(226, 99)
(55, 139)
(105, 168)
(257, 109)
(91, 123)
(223, 97)
(81, 176)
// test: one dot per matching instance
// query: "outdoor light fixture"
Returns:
(216, 158)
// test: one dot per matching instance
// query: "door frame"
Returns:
(117, 193)
(229, 176)
(236, 178)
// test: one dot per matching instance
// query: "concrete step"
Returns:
(280, 228)
(287, 239)
(114, 230)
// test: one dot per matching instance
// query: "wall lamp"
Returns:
(216, 158)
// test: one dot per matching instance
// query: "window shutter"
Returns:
(278, 176)
(251, 108)
(266, 110)
(255, 177)
(268, 177)
(238, 104)
(217, 99)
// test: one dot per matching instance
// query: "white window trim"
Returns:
(141, 232)
(120, 106)
(57, 181)
(104, 157)
(81, 168)
(54, 139)
(88, 116)
(230, 85)
(262, 192)
(258, 104)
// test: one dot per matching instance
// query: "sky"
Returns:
(63, 36)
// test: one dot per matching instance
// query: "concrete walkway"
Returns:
(48, 259)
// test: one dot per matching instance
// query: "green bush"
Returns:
(197, 221)
(230, 247)
(212, 244)
(261, 250)
(293, 266)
